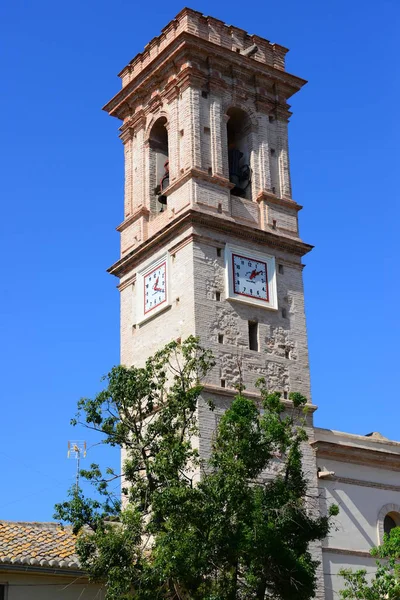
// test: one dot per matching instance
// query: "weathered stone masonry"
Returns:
(184, 99)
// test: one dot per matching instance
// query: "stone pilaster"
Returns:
(283, 156)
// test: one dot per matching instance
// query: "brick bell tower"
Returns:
(210, 242)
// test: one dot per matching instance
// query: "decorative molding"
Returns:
(127, 282)
(271, 198)
(196, 173)
(216, 222)
(231, 393)
(132, 124)
(187, 240)
(142, 211)
(364, 483)
(186, 43)
(362, 456)
(347, 551)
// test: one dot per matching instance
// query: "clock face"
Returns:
(250, 277)
(155, 288)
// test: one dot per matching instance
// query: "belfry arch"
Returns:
(239, 151)
(158, 164)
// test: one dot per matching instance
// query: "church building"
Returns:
(210, 246)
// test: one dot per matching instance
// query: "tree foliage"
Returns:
(385, 583)
(227, 535)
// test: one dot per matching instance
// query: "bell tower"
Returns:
(210, 242)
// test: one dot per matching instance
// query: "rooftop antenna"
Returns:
(77, 450)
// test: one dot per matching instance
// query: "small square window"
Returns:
(272, 151)
(207, 130)
(284, 313)
(223, 383)
(280, 269)
(218, 296)
(204, 94)
(219, 252)
(220, 338)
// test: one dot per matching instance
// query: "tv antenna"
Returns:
(77, 450)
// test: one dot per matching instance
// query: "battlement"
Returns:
(209, 29)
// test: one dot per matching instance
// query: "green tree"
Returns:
(385, 583)
(228, 535)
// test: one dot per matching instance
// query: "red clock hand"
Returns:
(254, 273)
(156, 288)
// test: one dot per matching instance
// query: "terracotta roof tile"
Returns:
(37, 544)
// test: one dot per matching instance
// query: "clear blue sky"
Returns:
(62, 185)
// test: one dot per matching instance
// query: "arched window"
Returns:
(159, 164)
(238, 129)
(388, 519)
(391, 521)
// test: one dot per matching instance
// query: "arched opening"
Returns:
(391, 521)
(238, 129)
(159, 163)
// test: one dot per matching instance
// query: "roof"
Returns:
(37, 545)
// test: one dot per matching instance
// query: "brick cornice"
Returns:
(142, 211)
(232, 393)
(362, 456)
(134, 123)
(273, 199)
(190, 43)
(215, 222)
(196, 173)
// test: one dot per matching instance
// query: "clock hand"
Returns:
(254, 273)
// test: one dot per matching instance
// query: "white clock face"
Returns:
(250, 277)
(155, 288)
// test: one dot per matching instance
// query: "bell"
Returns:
(163, 201)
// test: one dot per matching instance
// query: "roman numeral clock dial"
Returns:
(251, 277)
